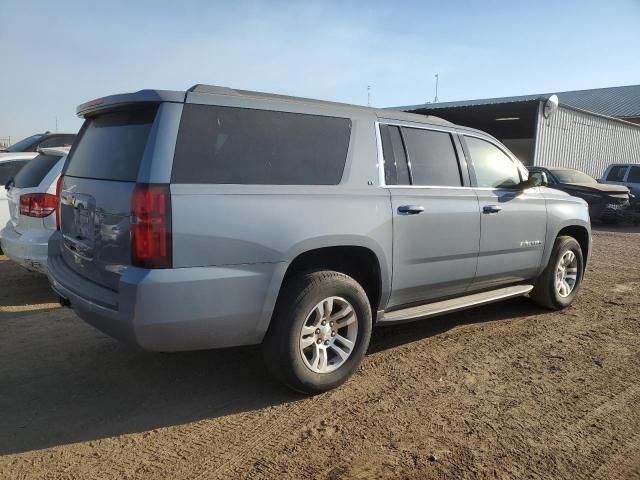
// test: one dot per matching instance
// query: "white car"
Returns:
(33, 203)
(10, 165)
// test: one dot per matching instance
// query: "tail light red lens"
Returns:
(151, 226)
(58, 191)
(37, 205)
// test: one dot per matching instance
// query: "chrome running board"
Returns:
(454, 304)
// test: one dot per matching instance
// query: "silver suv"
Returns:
(218, 217)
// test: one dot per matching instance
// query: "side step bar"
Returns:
(454, 304)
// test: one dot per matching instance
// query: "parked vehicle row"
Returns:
(218, 217)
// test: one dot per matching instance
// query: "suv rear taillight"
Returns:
(37, 205)
(151, 226)
(58, 187)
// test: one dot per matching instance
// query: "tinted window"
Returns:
(9, 170)
(243, 146)
(432, 158)
(25, 145)
(616, 174)
(396, 171)
(634, 175)
(493, 168)
(57, 141)
(110, 146)
(35, 171)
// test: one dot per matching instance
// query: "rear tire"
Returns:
(558, 285)
(303, 352)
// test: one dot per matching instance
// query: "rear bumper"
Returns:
(173, 309)
(28, 249)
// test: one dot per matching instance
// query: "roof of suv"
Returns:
(181, 97)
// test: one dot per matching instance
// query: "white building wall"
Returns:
(588, 142)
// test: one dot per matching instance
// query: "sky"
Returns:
(56, 55)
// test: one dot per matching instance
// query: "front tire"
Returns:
(319, 332)
(558, 285)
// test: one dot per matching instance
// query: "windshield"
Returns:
(567, 175)
(111, 145)
(23, 145)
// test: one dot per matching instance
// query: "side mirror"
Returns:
(536, 179)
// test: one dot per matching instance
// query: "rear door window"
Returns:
(34, 172)
(493, 167)
(432, 158)
(9, 170)
(110, 146)
(396, 171)
(228, 145)
(616, 174)
(634, 175)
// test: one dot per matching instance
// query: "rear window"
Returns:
(9, 170)
(432, 157)
(111, 146)
(230, 145)
(34, 172)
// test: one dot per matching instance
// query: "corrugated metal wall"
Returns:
(576, 139)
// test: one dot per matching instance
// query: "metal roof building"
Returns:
(590, 129)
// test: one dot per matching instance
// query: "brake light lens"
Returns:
(151, 226)
(37, 205)
(58, 191)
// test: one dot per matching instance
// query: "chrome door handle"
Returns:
(491, 209)
(410, 209)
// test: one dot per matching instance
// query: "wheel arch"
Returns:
(361, 259)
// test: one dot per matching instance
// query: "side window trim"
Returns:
(458, 147)
(406, 155)
(472, 172)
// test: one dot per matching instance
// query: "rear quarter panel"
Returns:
(218, 225)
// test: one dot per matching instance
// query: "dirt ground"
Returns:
(504, 391)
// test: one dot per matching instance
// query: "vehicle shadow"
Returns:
(23, 292)
(69, 383)
(390, 336)
(620, 227)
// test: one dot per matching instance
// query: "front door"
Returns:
(513, 220)
(436, 224)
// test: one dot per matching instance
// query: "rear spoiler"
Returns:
(92, 107)
(54, 151)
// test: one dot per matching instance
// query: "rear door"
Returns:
(99, 178)
(436, 225)
(513, 220)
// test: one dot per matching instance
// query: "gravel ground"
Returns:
(504, 391)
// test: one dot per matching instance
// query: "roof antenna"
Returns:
(435, 100)
(368, 95)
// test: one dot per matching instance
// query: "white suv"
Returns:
(33, 203)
